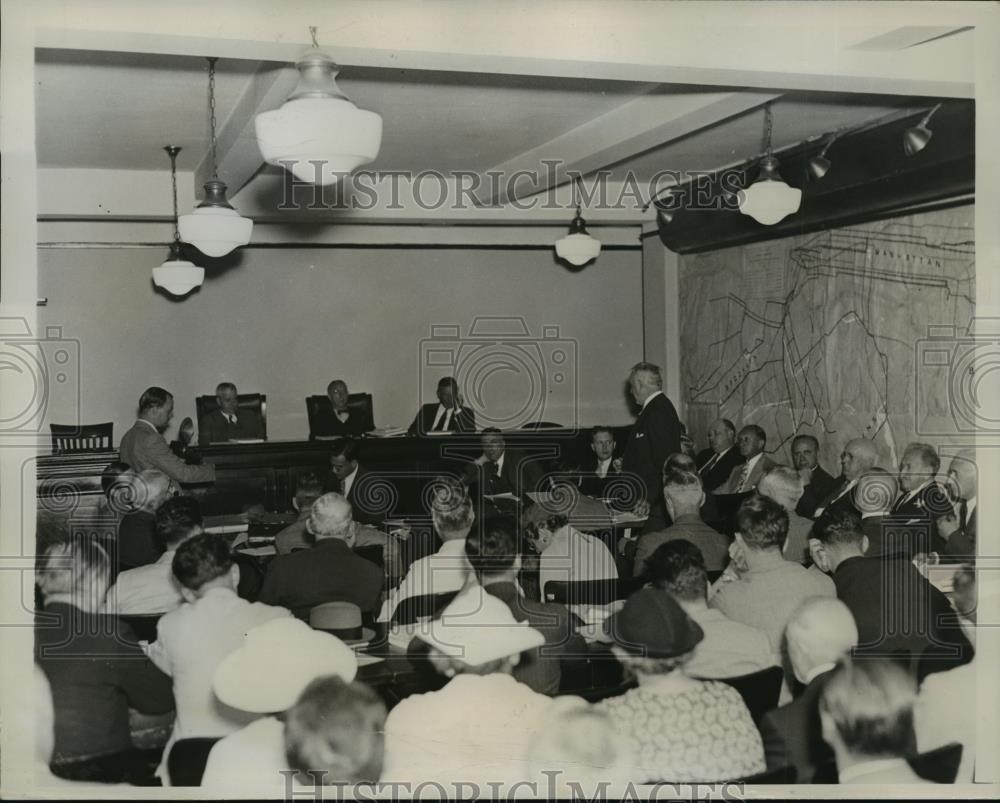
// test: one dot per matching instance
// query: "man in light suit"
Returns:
(448, 415)
(818, 483)
(143, 446)
(228, 422)
(716, 463)
(655, 436)
(744, 478)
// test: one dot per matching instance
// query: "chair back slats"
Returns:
(72, 438)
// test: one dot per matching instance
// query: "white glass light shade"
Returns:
(331, 131)
(769, 200)
(215, 230)
(578, 249)
(178, 276)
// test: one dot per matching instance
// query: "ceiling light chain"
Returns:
(173, 150)
(312, 33)
(211, 116)
(768, 127)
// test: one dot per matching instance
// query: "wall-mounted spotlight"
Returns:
(819, 165)
(915, 139)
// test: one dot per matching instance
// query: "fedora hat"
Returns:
(277, 661)
(652, 624)
(477, 628)
(340, 619)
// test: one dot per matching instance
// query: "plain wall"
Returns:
(286, 321)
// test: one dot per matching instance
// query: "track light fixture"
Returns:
(915, 139)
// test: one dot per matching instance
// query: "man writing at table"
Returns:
(228, 422)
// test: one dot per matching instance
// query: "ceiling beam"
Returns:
(634, 127)
(238, 154)
(785, 46)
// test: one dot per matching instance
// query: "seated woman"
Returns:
(677, 729)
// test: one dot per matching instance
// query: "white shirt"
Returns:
(191, 643)
(349, 481)
(445, 570)
(448, 414)
(946, 711)
(651, 397)
(574, 556)
(146, 589)
(816, 671)
(747, 468)
(251, 758)
(475, 730)
(342, 415)
(913, 493)
(499, 463)
(602, 468)
(857, 773)
(230, 417)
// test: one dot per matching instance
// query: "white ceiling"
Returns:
(114, 109)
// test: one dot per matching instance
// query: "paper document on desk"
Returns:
(508, 495)
(245, 440)
(259, 551)
(625, 517)
(387, 432)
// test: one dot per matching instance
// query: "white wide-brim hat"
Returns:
(477, 628)
(277, 661)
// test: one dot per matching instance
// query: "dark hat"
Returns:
(652, 624)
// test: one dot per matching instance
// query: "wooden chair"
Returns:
(590, 592)
(70, 439)
(319, 409)
(187, 760)
(257, 402)
(427, 605)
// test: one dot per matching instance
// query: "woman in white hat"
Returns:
(477, 729)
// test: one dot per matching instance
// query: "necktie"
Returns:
(744, 476)
(230, 418)
(963, 513)
(709, 463)
(444, 423)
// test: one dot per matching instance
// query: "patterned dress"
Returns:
(702, 734)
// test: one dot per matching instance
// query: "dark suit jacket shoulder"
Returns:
(519, 475)
(326, 572)
(329, 426)
(820, 485)
(717, 475)
(465, 421)
(655, 436)
(792, 734)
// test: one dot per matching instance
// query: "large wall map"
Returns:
(825, 333)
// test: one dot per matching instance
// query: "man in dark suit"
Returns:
(818, 634)
(818, 483)
(597, 470)
(895, 608)
(873, 497)
(716, 463)
(921, 499)
(143, 446)
(340, 421)
(448, 415)
(361, 487)
(499, 470)
(329, 570)
(655, 436)
(493, 555)
(228, 422)
(858, 456)
(958, 527)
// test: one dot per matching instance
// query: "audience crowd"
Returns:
(784, 625)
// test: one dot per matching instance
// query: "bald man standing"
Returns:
(858, 456)
(817, 635)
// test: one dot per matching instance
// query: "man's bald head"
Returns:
(858, 456)
(820, 631)
(963, 474)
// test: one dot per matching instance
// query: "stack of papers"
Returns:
(388, 432)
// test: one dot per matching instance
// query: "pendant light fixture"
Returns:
(214, 228)
(318, 133)
(769, 199)
(578, 247)
(177, 276)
